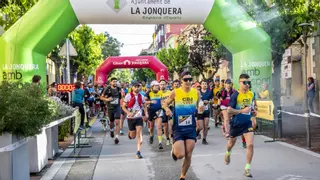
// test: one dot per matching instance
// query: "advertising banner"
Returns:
(142, 11)
(265, 110)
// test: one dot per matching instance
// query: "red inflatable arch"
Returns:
(114, 62)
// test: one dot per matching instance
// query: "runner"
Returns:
(216, 107)
(203, 117)
(153, 98)
(241, 108)
(176, 84)
(133, 106)
(224, 97)
(186, 100)
(112, 95)
(124, 92)
(166, 119)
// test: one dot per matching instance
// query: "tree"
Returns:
(280, 19)
(89, 48)
(205, 51)
(123, 75)
(12, 10)
(111, 47)
(175, 59)
(143, 75)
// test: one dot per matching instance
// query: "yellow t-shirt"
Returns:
(264, 94)
(215, 91)
(164, 96)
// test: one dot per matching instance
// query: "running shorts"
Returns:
(114, 114)
(153, 115)
(240, 129)
(205, 114)
(184, 135)
(133, 123)
(166, 118)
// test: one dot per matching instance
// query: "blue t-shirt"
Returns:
(77, 95)
(143, 93)
(239, 101)
(206, 95)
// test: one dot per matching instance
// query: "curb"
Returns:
(290, 146)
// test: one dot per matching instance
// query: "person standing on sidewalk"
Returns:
(112, 95)
(311, 93)
(241, 109)
(133, 106)
(186, 100)
(77, 101)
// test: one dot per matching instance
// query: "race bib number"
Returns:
(159, 113)
(98, 102)
(206, 107)
(136, 114)
(185, 120)
(115, 101)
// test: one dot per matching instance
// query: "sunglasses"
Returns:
(246, 82)
(137, 86)
(187, 79)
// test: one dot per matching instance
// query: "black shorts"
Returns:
(166, 118)
(122, 111)
(90, 103)
(238, 130)
(205, 114)
(114, 114)
(153, 115)
(132, 123)
(184, 135)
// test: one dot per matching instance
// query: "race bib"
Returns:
(159, 113)
(115, 101)
(136, 114)
(185, 120)
(206, 107)
(98, 102)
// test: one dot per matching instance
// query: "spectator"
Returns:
(311, 93)
(36, 79)
(77, 101)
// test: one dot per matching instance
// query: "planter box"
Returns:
(14, 160)
(38, 157)
(52, 139)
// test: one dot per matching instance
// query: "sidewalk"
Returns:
(272, 161)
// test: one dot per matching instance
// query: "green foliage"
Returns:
(63, 130)
(111, 47)
(89, 48)
(123, 75)
(205, 50)
(12, 10)
(175, 59)
(143, 75)
(24, 109)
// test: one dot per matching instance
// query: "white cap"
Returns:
(154, 83)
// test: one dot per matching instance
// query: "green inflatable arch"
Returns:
(24, 47)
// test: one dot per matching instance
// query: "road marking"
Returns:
(293, 177)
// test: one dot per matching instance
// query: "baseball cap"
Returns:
(217, 79)
(228, 81)
(136, 84)
(155, 83)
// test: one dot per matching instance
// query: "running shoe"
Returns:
(244, 145)
(160, 146)
(247, 173)
(112, 134)
(227, 159)
(174, 157)
(138, 155)
(121, 132)
(151, 140)
(204, 141)
(116, 141)
(168, 142)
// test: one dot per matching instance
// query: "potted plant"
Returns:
(61, 112)
(24, 112)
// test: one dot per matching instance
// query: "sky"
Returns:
(134, 37)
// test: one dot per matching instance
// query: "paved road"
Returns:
(106, 161)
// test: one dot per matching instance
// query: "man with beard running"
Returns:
(241, 108)
(186, 100)
(203, 117)
(112, 95)
(133, 107)
(153, 98)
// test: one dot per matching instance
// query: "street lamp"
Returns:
(306, 27)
